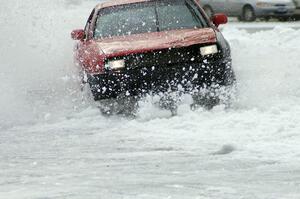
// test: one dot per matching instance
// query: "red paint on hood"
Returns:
(125, 45)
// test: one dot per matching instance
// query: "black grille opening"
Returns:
(167, 57)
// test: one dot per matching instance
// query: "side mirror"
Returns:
(219, 19)
(78, 34)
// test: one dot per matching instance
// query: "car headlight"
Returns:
(115, 64)
(208, 50)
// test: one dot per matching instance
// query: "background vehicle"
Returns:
(249, 10)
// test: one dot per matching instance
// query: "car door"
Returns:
(218, 5)
(234, 7)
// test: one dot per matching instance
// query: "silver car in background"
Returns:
(249, 10)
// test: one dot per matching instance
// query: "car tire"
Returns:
(205, 101)
(209, 11)
(248, 14)
(122, 105)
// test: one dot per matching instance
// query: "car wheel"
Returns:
(122, 105)
(209, 11)
(248, 14)
(205, 101)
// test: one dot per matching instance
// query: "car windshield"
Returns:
(151, 16)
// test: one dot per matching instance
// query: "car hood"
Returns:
(123, 45)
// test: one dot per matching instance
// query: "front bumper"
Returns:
(181, 76)
(275, 11)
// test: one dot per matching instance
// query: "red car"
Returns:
(135, 47)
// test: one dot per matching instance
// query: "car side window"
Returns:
(88, 23)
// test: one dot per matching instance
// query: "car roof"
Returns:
(111, 3)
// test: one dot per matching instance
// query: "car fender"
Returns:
(89, 57)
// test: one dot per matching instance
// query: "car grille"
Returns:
(166, 57)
